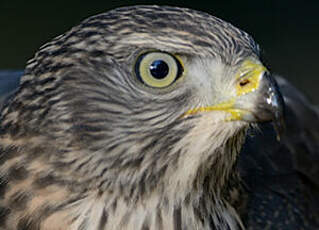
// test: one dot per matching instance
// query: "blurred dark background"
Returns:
(287, 30)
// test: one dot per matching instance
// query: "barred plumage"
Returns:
(84, 145)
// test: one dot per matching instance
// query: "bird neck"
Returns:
(183, 196)
(186, 186)
(207, 165)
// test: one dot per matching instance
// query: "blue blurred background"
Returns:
(287, 30)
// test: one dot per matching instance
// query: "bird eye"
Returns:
(158, 69)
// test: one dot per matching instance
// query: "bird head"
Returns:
(145, 97)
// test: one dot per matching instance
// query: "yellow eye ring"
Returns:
(158, 69)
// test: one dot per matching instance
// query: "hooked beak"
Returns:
(268, 106)
(258, 98)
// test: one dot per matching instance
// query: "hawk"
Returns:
(135, 119)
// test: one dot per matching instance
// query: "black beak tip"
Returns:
(279, 126)
(277, 106)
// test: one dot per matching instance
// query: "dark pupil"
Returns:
(159, 69)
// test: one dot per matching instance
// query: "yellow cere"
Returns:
(249, 76)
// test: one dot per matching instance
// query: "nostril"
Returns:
(244, 82)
